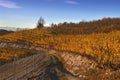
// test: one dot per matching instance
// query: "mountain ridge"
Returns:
(2, 32)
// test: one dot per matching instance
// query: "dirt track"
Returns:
(36, 67)
(25, 68)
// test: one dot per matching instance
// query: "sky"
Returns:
(26, 13)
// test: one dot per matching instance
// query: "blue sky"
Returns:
(25, 13)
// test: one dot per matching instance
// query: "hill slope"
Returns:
(40, 66)
(80, 47)
(2, 32)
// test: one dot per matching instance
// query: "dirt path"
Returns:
(36, 67)
(24, 68)
(69, 77)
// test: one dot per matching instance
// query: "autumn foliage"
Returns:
(97, 40)
(8, 54)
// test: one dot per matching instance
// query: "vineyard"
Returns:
(8, 54)
(104, 48)
(85, 50)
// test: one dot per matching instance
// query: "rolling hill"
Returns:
(2, 32)
(88, 50)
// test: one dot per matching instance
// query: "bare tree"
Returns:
(40, 23)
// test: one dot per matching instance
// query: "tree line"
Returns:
(104, 25)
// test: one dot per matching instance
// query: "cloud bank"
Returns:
(8, 4)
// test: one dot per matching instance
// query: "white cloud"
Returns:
(71, 2)
(8, 4)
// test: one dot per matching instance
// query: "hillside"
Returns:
(40, 66)
(104, 25)
(2, 32)
(85, 49)
(52, 65)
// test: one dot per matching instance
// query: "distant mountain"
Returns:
(2, 32)
(12, 28)
(8, 28)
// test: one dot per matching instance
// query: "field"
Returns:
(104, 48)
(88, 50)
(8, 54)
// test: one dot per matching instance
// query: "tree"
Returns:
(40, 23)
(53, 25)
